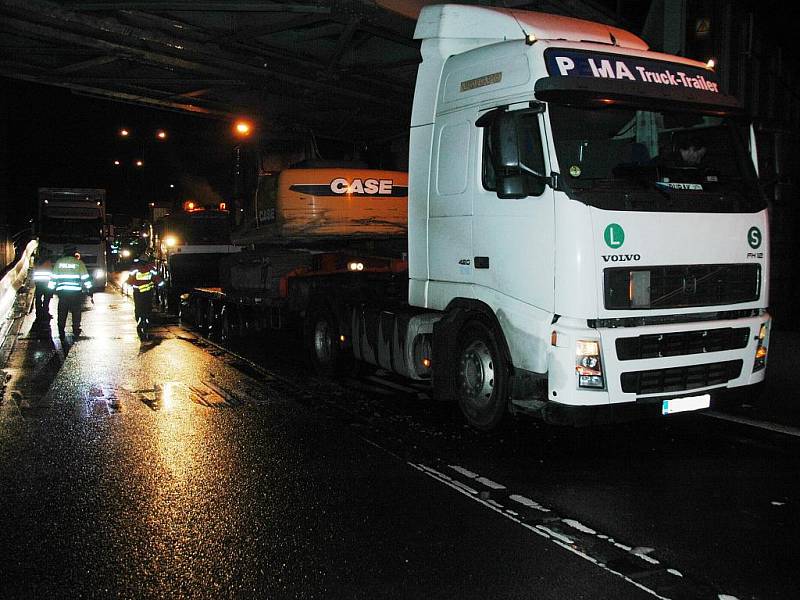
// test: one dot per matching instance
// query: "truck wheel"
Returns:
(173, 303)
(242, 326)
(481, 376)
(322, 340)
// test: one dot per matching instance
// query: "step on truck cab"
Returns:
(585, 223)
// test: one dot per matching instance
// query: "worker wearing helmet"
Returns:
(143, 278)
(70, 281)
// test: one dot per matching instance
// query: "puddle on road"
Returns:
(168, 395)
(102, 400)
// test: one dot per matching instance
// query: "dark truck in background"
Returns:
(187, 246)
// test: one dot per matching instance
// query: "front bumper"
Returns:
(556, 413)
(616, 401)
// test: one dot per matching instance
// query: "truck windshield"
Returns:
(629, 158)
(71, 230)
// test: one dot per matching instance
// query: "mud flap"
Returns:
(445, 339)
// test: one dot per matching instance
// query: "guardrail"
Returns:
(10, 284)
(6, 248)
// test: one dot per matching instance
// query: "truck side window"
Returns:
(531, 154)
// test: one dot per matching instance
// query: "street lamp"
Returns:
(116, 163)
(139, 163)
(242, 128)
(124, 132)
(161, 134)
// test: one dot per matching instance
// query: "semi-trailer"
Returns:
(586, 239)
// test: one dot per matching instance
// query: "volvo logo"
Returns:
(621, 257)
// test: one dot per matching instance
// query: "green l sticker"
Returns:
(614, 236)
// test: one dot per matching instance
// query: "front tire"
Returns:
(481, 376)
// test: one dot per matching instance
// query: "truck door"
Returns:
(513, 238)
(450, 212)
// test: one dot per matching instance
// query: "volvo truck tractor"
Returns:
(586, 238)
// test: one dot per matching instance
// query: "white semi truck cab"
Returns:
(585, 225)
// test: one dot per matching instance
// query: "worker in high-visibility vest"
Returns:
(42, 272)
(70, 281)
(143, 278)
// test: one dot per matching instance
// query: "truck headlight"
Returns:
(761, 350)
(588, 364)
(99, 273)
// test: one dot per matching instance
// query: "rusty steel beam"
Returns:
(198, 57)
(191, 6)
(86, 64)
(115, 95)
(271, 28)
(344, 40)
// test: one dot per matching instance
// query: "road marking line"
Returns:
(774, 427)
(527, 502)
(490, 484)
(541, 531)
(391, 384)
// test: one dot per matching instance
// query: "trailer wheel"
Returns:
(199, 313)
(322, 340)
(481, 376)
(227, 328)
(212, 320)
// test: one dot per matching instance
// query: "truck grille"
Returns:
(678, 379)
(681, 286)
(682, 343)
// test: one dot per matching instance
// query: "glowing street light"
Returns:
(161, 134)
(139, 163)
(116, 163)
(124, 132)
(242, 128)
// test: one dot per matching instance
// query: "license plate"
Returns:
(676, 405)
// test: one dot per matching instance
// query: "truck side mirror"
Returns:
(505, 149)
(505, 157)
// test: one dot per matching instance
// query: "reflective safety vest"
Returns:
(70, 275)
(144, 277)
(42, 273)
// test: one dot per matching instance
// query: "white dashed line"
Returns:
(774, 427)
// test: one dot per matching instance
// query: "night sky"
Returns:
(59, 139)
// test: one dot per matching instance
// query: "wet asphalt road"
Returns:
(171, 469)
